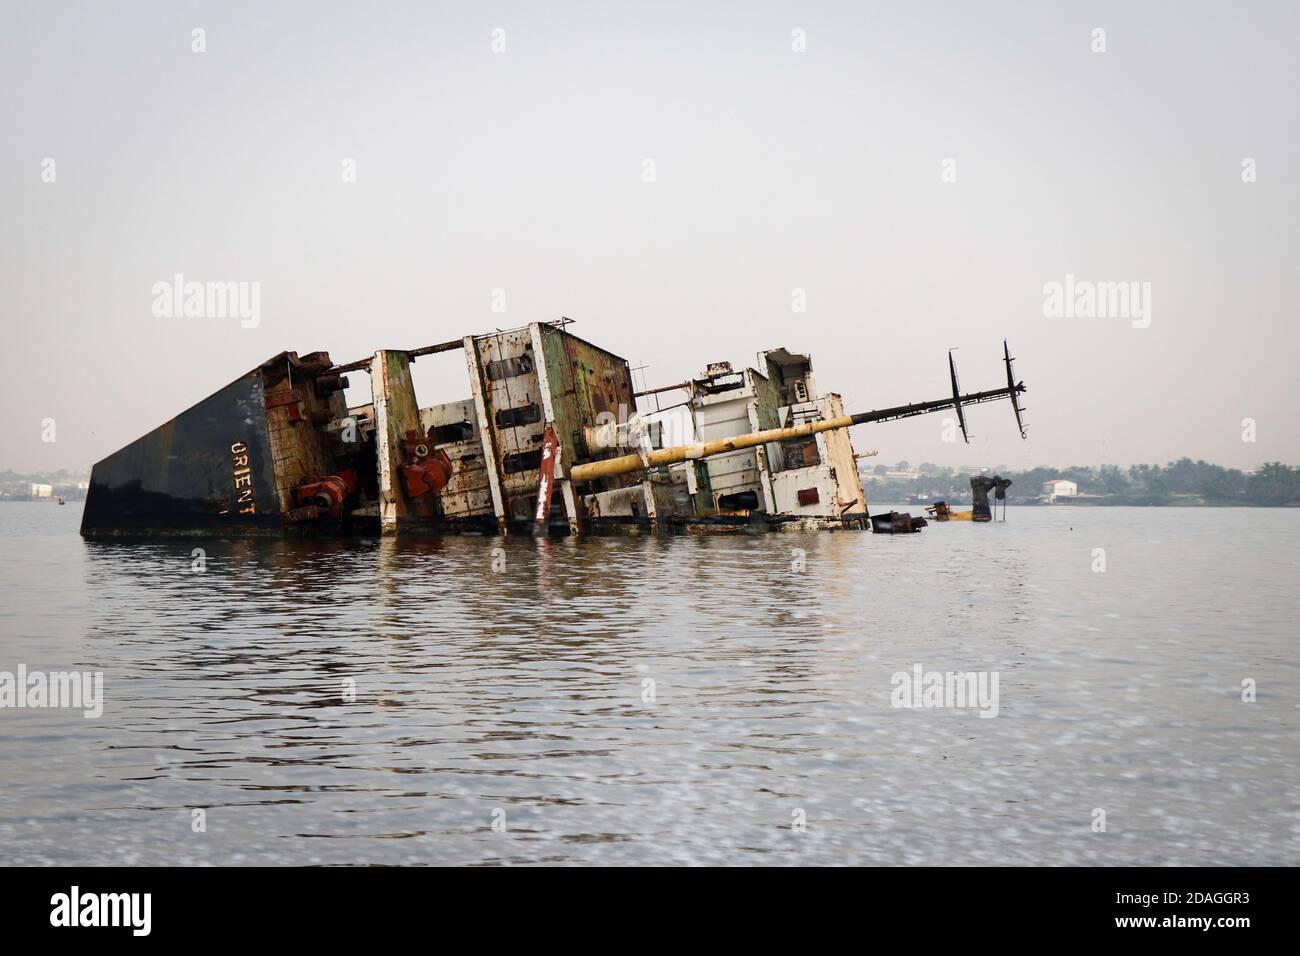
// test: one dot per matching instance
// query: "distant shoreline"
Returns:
(1089, 504)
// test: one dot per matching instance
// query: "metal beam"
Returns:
(625, 464)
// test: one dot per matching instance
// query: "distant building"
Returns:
(42, 491)
(1059, 488)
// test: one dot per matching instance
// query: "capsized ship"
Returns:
(548, 440)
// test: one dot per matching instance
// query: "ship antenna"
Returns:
(956, 397)
(1015, 388)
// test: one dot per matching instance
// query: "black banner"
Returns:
(332, 906)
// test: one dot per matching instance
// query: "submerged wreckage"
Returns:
(549, 439)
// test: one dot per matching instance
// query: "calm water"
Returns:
(519, 695)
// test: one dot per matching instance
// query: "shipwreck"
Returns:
(549, 440)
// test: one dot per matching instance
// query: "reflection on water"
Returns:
(646, 700)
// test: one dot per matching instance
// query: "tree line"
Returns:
(1182, 481)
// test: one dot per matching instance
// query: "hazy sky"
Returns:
(774, 170)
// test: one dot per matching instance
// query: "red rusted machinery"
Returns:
(324, 497)
(427, 469)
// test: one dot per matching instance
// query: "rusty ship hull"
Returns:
(548, 439)
(210, 469)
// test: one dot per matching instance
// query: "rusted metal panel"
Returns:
(585, 384)
(837, 453)
(762, 416)
(392, 505)
(453, 428)
(299, 451)
(534, 376)
(791, 488)
(698, 488)
(824, 460)
(396, 416)
(487, 441)
(726, 404)
(552, 406)
(767, 402)
(290, 401)
(507, 371)
(652, 500)
(546, 479)
(551, 468)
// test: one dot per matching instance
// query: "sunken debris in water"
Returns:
(547, 439)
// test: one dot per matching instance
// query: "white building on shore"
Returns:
(1058, 488)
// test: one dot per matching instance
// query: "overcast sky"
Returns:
(524, 169)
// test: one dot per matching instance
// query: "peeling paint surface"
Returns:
(468, 493)
(396, 414)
